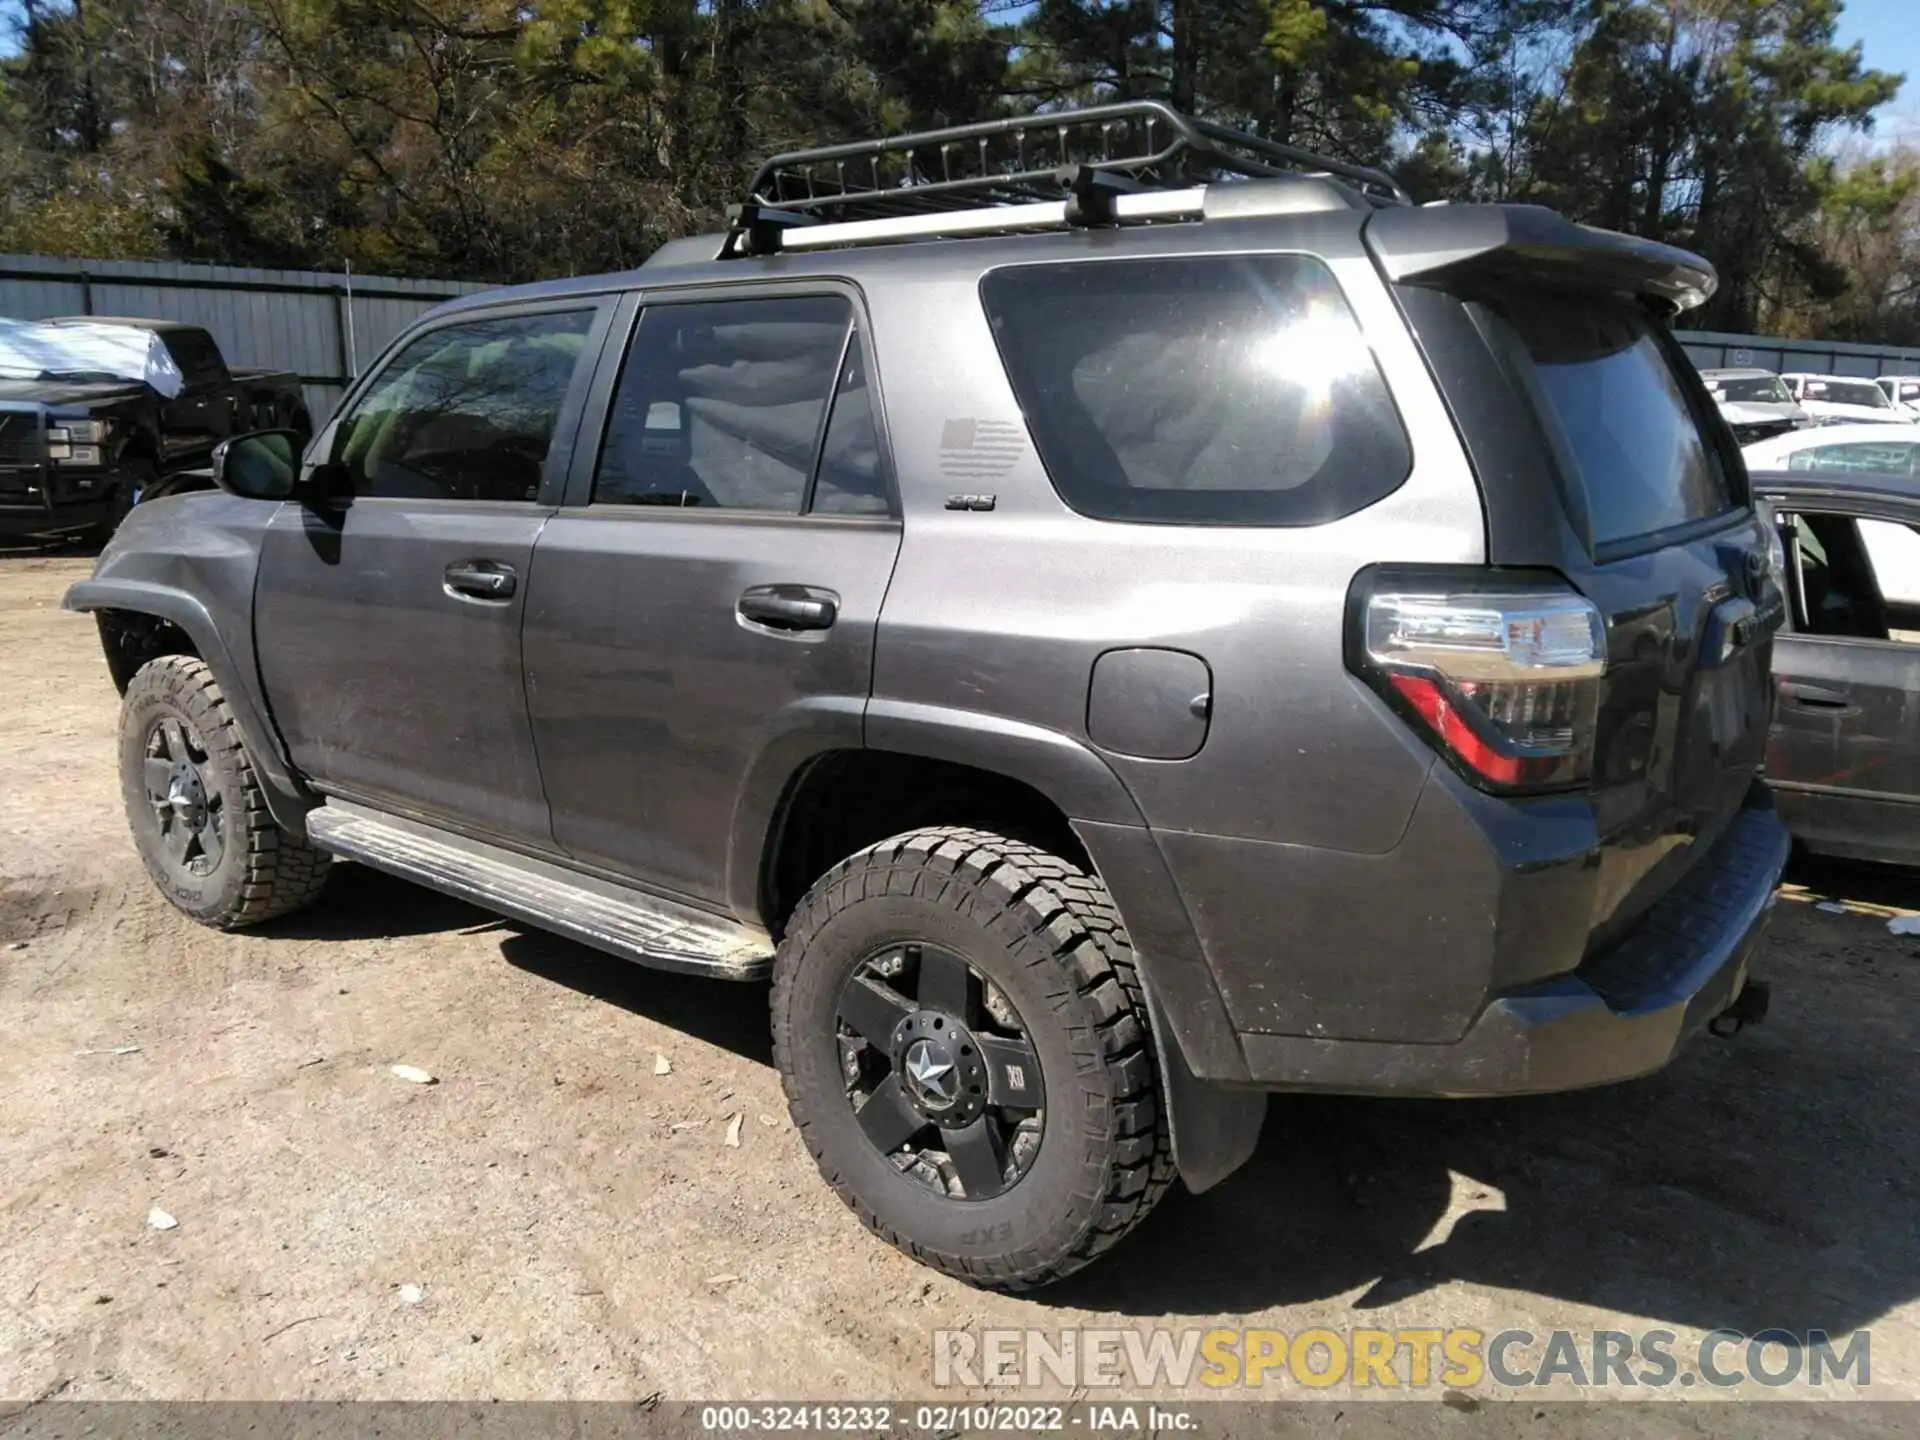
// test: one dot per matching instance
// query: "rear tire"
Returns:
(1044, 936)
(198, 814)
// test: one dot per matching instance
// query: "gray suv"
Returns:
(1114, 616)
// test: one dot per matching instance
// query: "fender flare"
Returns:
(288, 798)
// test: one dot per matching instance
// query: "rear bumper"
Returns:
(1623, 1014)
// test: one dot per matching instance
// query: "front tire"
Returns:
(198, 814)
(916, 984)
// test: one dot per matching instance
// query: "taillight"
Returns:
(1504, 682)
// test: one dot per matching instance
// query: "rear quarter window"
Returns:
(1212, 390)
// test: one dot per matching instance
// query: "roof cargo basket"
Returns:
(1099, 163)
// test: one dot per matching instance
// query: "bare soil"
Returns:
(578, 1228)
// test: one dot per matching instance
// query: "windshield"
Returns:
(86, 353)
(1759, 389)
(1848, 392)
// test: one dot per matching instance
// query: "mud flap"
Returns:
(1213, 1129)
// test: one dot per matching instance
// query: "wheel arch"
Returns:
(796, 818)
(141, 621)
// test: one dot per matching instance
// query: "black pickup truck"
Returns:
(97, 413)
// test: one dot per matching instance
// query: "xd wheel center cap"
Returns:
(942, 1073)
(931, 1073)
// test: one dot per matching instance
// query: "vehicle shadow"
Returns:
(728, 1014)
(1725, 1192)
(361, 903)
(1825, 878)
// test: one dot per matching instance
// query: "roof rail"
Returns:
(1083, 159)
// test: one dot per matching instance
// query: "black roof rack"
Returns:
(1064, 155)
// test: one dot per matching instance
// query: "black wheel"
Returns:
(965, 1048)
(198, 815)
(135, 478)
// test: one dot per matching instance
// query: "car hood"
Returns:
(1759, 412)
(67, 392)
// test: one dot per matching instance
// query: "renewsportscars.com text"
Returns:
(1403, 1359)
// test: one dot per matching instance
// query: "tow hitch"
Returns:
(1749, 1007)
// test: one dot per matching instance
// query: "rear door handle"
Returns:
(1815, 696)
(480, 580)
(790, 607)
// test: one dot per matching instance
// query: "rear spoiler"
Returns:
(1438, 244)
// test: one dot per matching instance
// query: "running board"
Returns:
(609, 916)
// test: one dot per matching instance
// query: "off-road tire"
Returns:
(264, 872)
(1047, 934)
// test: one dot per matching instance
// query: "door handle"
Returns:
(790, 607)
(1816, 696)
(480, 580)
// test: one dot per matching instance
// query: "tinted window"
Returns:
(1860, 457)
(720, 404)
(850, 480)
(1216, 391)
(197, 356)
(465, 412)
(1610, 384)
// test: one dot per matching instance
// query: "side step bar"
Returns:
(609, 916)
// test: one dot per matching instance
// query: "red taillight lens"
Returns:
(1504, 683)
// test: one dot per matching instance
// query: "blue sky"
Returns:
(1889, 34)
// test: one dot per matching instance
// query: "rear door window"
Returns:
(1209, 391)
(721, 405)
(1610, 386)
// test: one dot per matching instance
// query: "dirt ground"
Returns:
(580, 1229)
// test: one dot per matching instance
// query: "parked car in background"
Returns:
(1903, 390)
(1841, 400)
(1755, 405)
(1844, 756)
(1889, 452)
(1890, 449)
(97, 413)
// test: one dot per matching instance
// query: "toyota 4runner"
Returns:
(1115, 616)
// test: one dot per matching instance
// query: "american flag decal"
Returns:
(980, 449)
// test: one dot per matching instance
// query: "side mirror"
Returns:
(263, 465)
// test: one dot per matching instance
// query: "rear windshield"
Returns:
(1610, 384)
(1218, 390)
